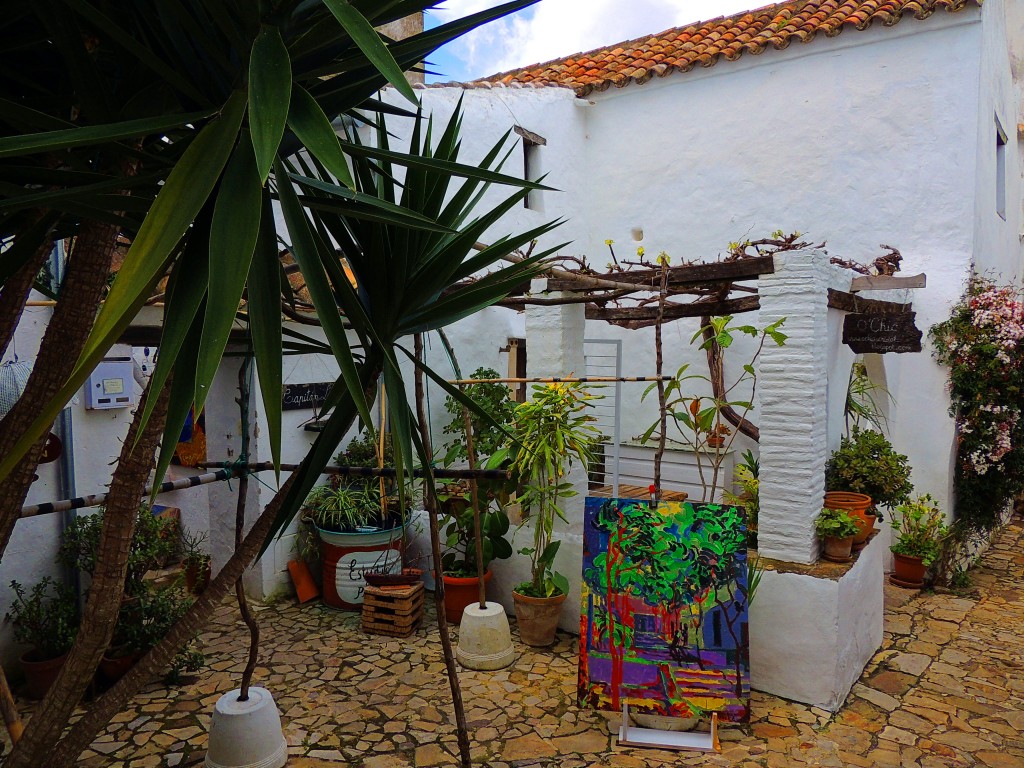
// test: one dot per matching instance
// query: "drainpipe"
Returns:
(64, 430)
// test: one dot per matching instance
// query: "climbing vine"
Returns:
(983, 345)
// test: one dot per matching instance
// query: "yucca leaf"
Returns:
(311, 126)
(270, 91)
(369, 42)
(265, 325)
(305, 251)
(186, 191)
(233, 232)
(49, 141)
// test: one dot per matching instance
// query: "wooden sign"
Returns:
(300, 396)
(882, 333)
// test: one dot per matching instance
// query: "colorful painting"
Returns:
(664, 612)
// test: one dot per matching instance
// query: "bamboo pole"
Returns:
(10, 711)
(561, 380)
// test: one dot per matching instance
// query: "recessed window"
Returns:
(1000, 171)
(532, 166)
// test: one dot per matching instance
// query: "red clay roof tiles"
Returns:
(683, 48)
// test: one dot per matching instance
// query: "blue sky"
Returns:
(555, 28)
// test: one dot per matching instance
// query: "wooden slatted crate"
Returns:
(394, 611)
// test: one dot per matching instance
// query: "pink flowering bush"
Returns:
(983, 345)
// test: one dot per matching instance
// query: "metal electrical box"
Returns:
(111, 385)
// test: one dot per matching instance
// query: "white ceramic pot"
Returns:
(246, 734)
(485, 640)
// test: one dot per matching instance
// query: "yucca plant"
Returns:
(169, 124)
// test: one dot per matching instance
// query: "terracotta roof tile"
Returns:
(682, 48)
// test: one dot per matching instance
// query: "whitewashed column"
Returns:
(554, 336)
(793, 396)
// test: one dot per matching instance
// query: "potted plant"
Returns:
(195, 561)
(142, 622)
(360, 526)
(550, 431)
(745, 475)
(836, 528)
(47, 622)
(458, 562)
(921, 529)
(866, 464)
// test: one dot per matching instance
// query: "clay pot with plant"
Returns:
(920, 526)
(550, 431)
(45, 618)
(746, 477)
(196, 563)
(458, 561)
(866, 463)
(836, 528)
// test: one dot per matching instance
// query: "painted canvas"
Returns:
(664, 611)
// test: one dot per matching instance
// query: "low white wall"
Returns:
(810, 638)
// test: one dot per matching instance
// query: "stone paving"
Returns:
(947, 689)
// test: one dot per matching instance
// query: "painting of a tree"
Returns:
(664, 608)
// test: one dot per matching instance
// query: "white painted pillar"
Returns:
(793, 395)
(554, 335)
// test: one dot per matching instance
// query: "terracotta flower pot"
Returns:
(537, 618)
(460, 592)
(113, 668)
(838, 550)
(908, 571)
(867, 525)
(39, 675)
(855, 503)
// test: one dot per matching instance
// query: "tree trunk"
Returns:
(16, 292)
(82, 733)
(59, 351)
(101, 609)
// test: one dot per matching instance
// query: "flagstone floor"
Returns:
(947, 689)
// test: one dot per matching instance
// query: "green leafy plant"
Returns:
(862, 400)
(755, 570)
(193, 549)
(836, 524)
(154, 542)
(457, 529)
(748, 497)
(45, 617)
(549, 432)
(496, 408)
(698, 419)
(921, 528)
(345, 508)
(866, 463)
(145, 619)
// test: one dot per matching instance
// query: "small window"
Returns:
(532, 167)
(1000, 171)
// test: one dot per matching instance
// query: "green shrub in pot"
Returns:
(866, 463)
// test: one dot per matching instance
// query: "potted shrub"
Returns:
(458, 562)
(360, 526)
(866, 464)
(836, 528)
(196, 563)
(549, 430)
(142, 622)
(47, 622)
(921, 529)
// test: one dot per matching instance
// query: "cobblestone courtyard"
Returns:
(947, 689)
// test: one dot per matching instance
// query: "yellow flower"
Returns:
(608, 242)
(640, 251)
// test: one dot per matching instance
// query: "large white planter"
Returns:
(246, 734)
(348, 557)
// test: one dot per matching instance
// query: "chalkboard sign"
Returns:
(300, 396)
(882, 333)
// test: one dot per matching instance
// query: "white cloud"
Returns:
(557, 28)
